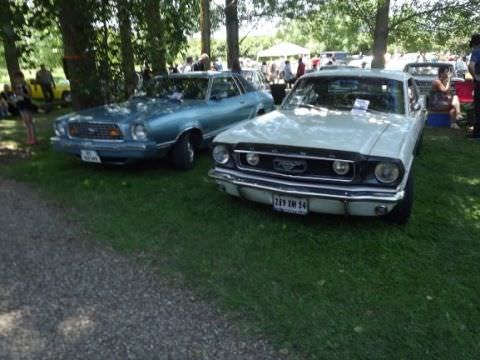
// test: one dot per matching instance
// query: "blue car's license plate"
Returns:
(90, 156)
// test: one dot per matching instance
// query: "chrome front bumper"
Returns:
(110, 149)
(322, 198)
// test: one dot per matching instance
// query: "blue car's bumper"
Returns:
(112, 151)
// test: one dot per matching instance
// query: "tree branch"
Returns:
(430, 11)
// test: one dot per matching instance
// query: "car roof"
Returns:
(429, 63)
(356, 72)
(196, 74)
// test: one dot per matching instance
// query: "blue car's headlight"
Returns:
(139, 132)
(60, 129)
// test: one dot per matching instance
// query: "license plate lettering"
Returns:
(290, 204)
(90, 156)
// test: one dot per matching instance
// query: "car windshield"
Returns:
(345, 92)
(424, 70)
(186, 88)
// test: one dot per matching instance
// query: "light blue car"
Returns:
(177, 115)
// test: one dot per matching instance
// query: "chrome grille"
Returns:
(296, 166)
(95, 131)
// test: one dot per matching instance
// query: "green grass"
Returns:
(323, 287)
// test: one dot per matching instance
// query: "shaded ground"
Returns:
(65, 298)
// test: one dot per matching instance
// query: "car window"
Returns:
(224, 87)
(429, 70)
(247, 86)
(342, 92)
(189, 88)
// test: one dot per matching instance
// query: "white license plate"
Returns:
(90, 156)
(290, 204)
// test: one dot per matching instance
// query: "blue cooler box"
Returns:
(441, 119)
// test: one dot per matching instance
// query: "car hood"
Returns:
(368, 133)
(137, 109)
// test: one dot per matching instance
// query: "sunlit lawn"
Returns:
(322, 287)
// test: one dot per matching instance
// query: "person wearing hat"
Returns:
(474, 69)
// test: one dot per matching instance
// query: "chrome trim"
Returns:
(287, 176)
(165, 144)
(292, 155)
(395, 196)
(239, 174)
(99, 145)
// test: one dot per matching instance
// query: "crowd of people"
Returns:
(17, 100)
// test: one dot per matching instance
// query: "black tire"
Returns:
(66, 96)
(184, 153)
(401, 213)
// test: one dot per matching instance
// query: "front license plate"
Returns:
(290, 204)
(90, 156)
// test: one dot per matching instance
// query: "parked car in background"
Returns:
(426, 72)
(177, 115)
(341, 57)
(257, 78)
(61, 91)
(343, 142)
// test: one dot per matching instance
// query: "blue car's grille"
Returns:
(95, 131)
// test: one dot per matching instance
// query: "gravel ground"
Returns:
(65, 298)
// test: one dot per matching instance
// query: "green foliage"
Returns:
(320, 287)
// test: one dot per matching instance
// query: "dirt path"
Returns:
(65, 298)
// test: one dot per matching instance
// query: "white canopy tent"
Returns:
(283, 50)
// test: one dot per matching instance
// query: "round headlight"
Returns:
(340, 167)
(139, 132)
(387, 172)
(220, 154)
(59, 129)
(253, 159)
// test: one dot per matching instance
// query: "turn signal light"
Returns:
(114, 133)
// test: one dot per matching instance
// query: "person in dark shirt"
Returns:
(44, 78)
(300, 67)
(201, 64)
(9, 97)
(474, 69)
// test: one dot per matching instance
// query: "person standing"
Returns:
(288, 74)
(23, 95)
(45, 80)
(474, 69)
(300, 67)
(188, 65)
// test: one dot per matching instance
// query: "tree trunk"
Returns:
(233, 48)
(8, 35)
(380, 38)
(156, 46)
(126, 47)
(205, 28)
(79, 56)
(104, 70)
